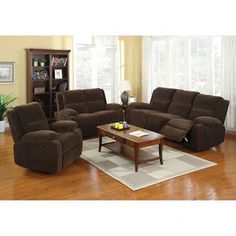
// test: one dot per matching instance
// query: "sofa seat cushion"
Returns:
(207, 121)
(109, 116)
(156, 120)
(87, 119)
(68, 140)
(138, 117)
(62, 126)
(177, 129)
(39, 136)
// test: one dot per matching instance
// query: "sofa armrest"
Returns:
(135, 105)
(63, 126)
(207, 121)
(113, 106)
(66, 114)
(39, 136)
(139, 105)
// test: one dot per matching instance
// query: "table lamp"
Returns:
(125, 86)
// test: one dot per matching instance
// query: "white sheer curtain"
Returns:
(96, 64)
(229, 78)
(146, 68)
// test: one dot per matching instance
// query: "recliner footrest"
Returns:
(177, 129)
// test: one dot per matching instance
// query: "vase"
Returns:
(2, 126)
(35, 63)
(124, 98)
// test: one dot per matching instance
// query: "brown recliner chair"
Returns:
(40, 146)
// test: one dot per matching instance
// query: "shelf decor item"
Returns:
(62, 86)
(35, 63)
(121, 125)
(7, 72)
(125, 87)
(58, 74)
(56, 61)
(5, 100)
(38, 90)
(63, 61)
(35, 60)
(42, 61)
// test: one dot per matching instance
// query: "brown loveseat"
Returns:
(183, 116)
(40, 146)
(88, 108)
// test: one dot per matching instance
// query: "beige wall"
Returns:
(132, 63)
(12, 49)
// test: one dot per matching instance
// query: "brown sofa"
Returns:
(195, 119)
(88, 108)
(40, 146)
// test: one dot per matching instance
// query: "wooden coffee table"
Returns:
(129, 145)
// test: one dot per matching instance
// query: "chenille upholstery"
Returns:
(88, 108)
(40, 146)
(196, 120)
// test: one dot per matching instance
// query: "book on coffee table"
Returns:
(138, 133)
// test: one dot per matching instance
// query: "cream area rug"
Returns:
(175, 163)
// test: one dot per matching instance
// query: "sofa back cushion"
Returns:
(205, 105)
(222, 110)
(95, 99)
(75, 99)
(15, 125)
(161, 98)
(31, 117)
(182, 103)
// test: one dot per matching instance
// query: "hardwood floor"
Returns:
(84, 181)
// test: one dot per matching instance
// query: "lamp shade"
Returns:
(125, 85)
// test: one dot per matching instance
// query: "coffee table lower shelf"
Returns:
(139, 156)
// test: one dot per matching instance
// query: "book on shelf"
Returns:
(39, 90)
(58, 74)
(138, 133)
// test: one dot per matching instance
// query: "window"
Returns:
(95, 65)
(191, 63)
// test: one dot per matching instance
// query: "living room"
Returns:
(152, 67)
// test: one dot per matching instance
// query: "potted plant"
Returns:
(5, 100)
(41, 61)
(35, 61)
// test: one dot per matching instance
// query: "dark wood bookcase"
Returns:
(47, 74)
